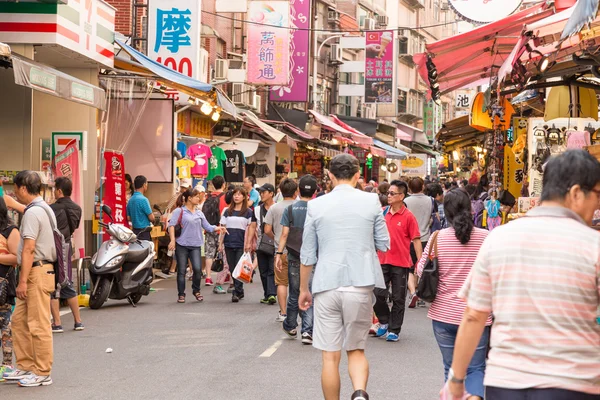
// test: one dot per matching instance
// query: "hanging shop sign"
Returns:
(60, 141)
(194, 124)
(297, 88)
(45, 154)
(114, 193)
(268, 43)
(514, 172)
(379, 67)
(174, 35)
(484, 11)
(415, 165)
(67, 163)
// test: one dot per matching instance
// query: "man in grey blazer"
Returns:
(342, 233)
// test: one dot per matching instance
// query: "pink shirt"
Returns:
(199, 153)
(455, 261)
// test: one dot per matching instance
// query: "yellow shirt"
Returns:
(185, 168)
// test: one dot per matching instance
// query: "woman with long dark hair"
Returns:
(128, 187)
(457, 249)
(237, 219)
(188, 246)
(9, 243)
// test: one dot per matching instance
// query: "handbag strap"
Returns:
(290, 215)
(434, 245)
(180, 217)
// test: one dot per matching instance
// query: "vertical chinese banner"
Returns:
(428, 119)
(67, 163)
(174, 35)
(297, 88)
(268, 43)
(379, 67)
(114, 188)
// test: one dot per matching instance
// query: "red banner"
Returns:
(67, 163)
(114, 193)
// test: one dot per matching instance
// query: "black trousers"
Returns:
(494, 393)
(398, 278)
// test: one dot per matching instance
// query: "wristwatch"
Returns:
(279, 252)
(454, 379)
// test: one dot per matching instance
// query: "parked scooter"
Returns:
(122, 267)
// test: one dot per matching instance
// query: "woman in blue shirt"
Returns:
(237, 218)
(189, 244)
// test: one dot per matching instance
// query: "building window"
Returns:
(221, 48)
(436, 10)
(402, 101)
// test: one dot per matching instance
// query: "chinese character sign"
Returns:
(114, 193)
(268, 42)
(67, 163)
(428, 120)
(297, 88)
(379, 67)
(174, 35)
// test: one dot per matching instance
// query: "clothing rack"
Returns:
(206, 141)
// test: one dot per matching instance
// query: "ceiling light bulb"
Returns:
(544, 63)
(206, 108)
(455, 155)
(215, 116)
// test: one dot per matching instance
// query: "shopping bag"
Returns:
(243, 269)
(446, 395)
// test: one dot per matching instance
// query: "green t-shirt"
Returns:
(216, 162)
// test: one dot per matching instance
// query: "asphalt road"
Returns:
(212, 350)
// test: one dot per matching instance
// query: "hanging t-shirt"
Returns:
(185, 168)
(182, 148)
(577, 140)
(234, 166)
(216, 163)
(200, 153)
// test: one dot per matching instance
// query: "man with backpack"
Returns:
(292, 221)
(68, 217)
(265, 252)
(212, 209)
(32, 334)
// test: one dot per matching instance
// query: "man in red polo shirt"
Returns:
(396, 262)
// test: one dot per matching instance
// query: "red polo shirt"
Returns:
(403, 228)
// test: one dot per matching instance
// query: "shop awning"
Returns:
(295, 117)
(402, 135)
(303, 135)
(391, 152)
(480, 52)
(328, 123)
(417, 135)
(273, 133)
(357, 136)
(364, 125)
(48, 80)
(140, 63)
(376, 151)
(457, 133)
(421, 148)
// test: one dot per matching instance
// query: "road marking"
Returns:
(68, 311)
(271, 350)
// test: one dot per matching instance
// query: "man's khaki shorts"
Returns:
(342, 319)
(281, 278)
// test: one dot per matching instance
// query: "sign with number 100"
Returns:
(174, 34)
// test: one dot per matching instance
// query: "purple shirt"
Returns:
(192, 225)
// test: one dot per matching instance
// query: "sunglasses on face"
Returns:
(394, 193)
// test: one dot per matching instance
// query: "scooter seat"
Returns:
(137, 252)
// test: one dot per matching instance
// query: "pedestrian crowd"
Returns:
(513, 305)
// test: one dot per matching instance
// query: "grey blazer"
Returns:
(342, 233)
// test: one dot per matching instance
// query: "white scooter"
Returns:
(122, 267)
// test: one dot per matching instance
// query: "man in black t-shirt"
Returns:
(68, 217)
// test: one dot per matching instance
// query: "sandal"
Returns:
(199, 297)
(181, 299)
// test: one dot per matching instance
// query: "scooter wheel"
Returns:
(100, 293)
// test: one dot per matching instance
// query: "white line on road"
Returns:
(67, 311)
(271, 350)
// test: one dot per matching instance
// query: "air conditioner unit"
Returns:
(368, 24)
(403, 35)
(445, 6)
(240, 94)
(369, 111)
(382, 21)
(257, 103)
(336, 53)
(333, 16)
(204, 65)
(221, 69)
(236, 64)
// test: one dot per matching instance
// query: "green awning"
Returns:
(421, 148)
(48, 80)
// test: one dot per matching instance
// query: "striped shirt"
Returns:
(454, 262)
(236, 225)
(540, 276)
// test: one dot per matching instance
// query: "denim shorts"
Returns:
(68, 292)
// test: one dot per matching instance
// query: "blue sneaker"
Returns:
(392, 337)
(383, 329)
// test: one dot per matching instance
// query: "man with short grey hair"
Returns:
(347, 270)
(32, 334)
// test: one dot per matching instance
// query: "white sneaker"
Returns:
(35, 380)
(16, 375)
(374, 329)
(307, 338)
(280, 317)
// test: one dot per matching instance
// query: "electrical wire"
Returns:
(326, 30)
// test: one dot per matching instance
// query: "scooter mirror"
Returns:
(106, 209)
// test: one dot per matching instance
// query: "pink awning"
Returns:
(376, 151)
(400, 134)
(328, 123)
(357, 136)
(478, 54)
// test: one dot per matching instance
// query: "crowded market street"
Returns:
(217, 350)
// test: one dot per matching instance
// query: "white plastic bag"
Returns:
(244, 268)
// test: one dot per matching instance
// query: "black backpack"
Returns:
(211, 209)
(62, 263)
(294, 241)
